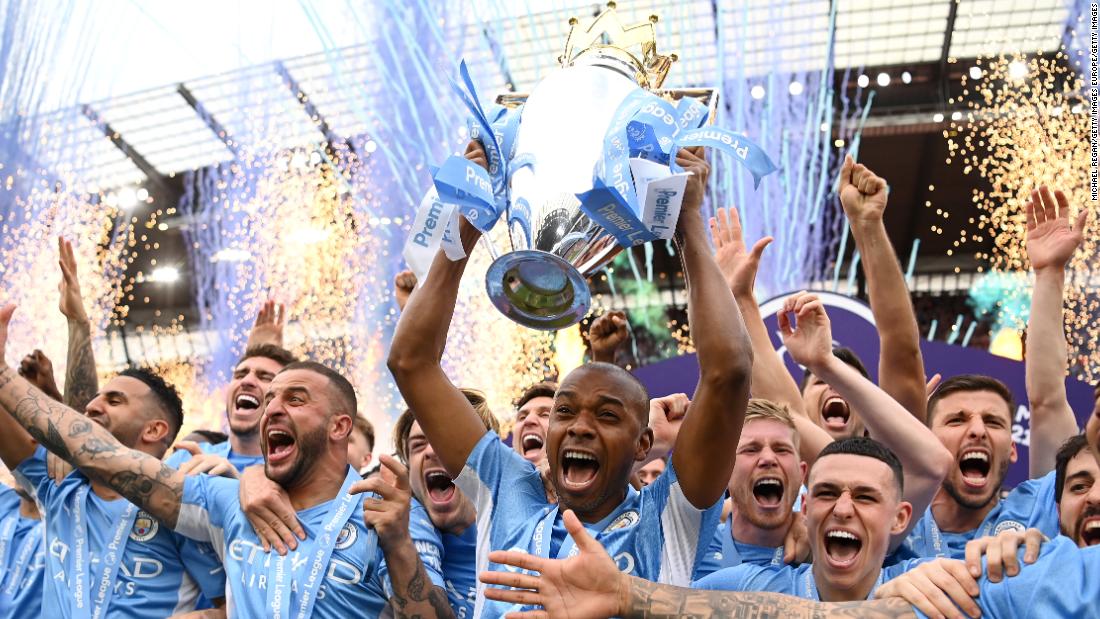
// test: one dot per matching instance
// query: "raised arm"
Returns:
(703, 455)
(923, 457)
(81, 380)
(770, 378)
(900, 365)
(1051, 242)
(445, 415)
(139, 477)
(608, 332)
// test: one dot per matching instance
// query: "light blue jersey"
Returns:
(429, 546)
(1064, 582)
(796, 580)
(1031, 504)
(655, 534)
(158, 574)
(223, 449)
(343, 586)
(22, 560)
(726, 552)
(460, 571)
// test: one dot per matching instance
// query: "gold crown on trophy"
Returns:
(605, 41)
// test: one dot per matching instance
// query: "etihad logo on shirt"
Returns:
(253, 558)
(145, 527)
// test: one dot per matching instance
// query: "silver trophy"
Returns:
(540, 282)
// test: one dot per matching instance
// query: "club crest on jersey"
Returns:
(145, 527)
(347, 537)
(627, 519)
(1008, 525)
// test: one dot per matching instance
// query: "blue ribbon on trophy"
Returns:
(605, 136)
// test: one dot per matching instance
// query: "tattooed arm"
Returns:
(139, 477)
(649, 600)
(81, 382)
(589, 585)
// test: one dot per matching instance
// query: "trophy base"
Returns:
(538, 290)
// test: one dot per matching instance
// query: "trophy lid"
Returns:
(631, 50)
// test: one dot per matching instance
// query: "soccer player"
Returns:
(853, 508)
(243, 410)
(107, 554)
(766, 480)
(451, 514)
(598, 428)
(650, 472)
(304, 435)
(532, 417)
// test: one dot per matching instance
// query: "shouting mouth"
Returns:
(281, 445)
(531, 444)
(246, 403)
(768, 492)
(974, 466)
(440, 487)
(1090, 531)
(578, 469)
(842, 547)
(835, 413)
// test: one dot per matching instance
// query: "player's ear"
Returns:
(645, 443)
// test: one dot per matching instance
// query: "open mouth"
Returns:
(974, 466)
(280, 445)
(842, 547)
(578, 469)
(835, 413)
(1090, 531)
(245, 402)
(531, 444)
(439, 486)
(768, 491)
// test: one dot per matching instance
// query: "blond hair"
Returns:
(759, 408)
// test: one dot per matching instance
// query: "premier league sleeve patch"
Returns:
(145, 527)
(348, 535)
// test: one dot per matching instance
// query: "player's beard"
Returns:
(310, 446)
(243, 430)
(972, 503)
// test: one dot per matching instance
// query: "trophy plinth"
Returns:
(537, 289)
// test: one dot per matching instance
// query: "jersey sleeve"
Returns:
(712, 559)
(683, 531)
(206, 505)
(34, 477)
(429, 547)
(177, 457)
(1063, 582)
(730, 578)
(492, 471)
(203, 564)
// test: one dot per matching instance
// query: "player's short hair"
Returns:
(971, 382)
(363, 425)
(759, 408)
(1066, 452)
(277, 354)
(166, 397)
(544, 389)
(870, 448)
(339, 386)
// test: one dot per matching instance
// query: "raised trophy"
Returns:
(579, 169)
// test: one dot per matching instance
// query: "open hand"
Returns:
(268, 509)
(268, 328)
(585, 586)
(738, 266)
(1051, 240)
(71, 304)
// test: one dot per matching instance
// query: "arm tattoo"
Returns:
(649, 600)
(139, 477)
(421, 598)
(81, 381)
